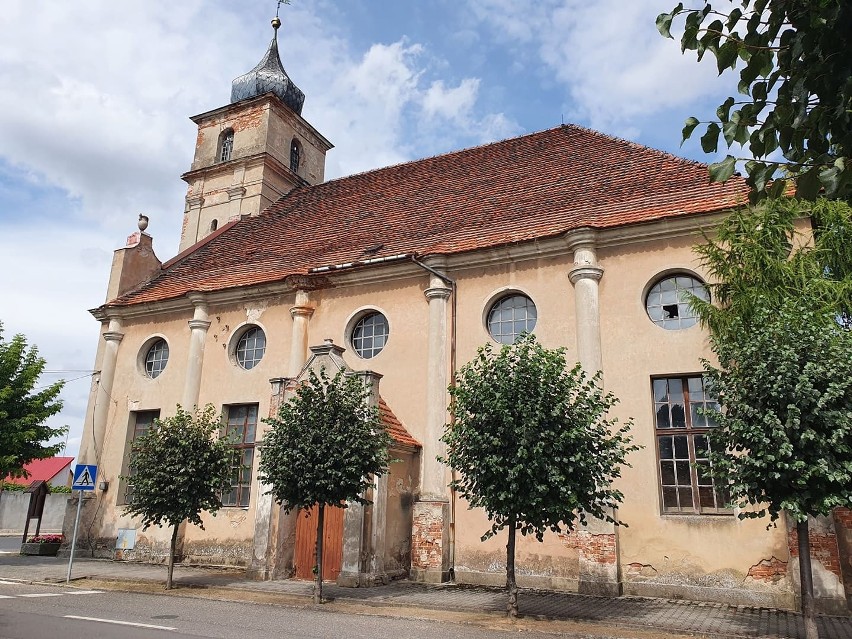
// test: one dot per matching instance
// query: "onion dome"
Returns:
(269, 76)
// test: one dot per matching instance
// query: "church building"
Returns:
(399, 274)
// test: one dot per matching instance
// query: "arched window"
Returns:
(214, 224)
(369, 335)
(667, 303)
(510, 316)
(295, 153)
(156, 358)
(251, 347)
(226, 145)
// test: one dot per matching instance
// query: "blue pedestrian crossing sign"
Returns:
(84, 477)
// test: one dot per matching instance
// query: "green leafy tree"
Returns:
(795, 83)
(179, 469)
(780, 332)
(24, 407)
(323, 449)
(533, 445)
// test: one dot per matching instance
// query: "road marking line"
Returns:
(42, 594)
(84, 592)
(6, 597)
(121, 623)
(9, 583)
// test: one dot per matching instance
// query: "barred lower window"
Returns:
(510, 316)
(240, 430)
(143, 421)
(683, 445)
(156, 358)
(251, 347)
(667, 302)
(370, 335)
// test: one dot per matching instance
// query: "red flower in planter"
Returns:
(45, 539)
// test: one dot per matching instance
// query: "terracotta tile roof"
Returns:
(535, 186)
(394, 426)
(42, 470)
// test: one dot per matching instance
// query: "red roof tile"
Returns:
(517, 190)
(394, 426)
(42, 469)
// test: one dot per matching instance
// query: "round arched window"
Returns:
(251, 347)
(667, 302)
(370, 334)
(510, 316)
(156, 358)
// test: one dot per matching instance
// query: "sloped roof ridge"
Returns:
(637, 145)
(485, 145)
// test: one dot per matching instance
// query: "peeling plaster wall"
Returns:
(402, 486)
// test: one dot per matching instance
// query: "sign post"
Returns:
(84, 480)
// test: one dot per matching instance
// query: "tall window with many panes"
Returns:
(240, 429)
(141, 422)
(682, 428)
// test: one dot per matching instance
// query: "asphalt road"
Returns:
(10, 544)
(44, 611)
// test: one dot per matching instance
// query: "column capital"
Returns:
(585, 272)
(196, 324)
(194, 201)
(582, 238)
(301, 311)
(437, 292)
(113, 336)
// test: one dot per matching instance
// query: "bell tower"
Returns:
(252, 151)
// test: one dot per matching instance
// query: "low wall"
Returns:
(13, 513)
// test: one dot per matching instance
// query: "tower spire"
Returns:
(269, 76)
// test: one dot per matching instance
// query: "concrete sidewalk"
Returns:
(702, 619)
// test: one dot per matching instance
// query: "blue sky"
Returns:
(97, 94)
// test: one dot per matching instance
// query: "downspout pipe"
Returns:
(453, 315)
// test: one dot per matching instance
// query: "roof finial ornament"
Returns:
(276, 21)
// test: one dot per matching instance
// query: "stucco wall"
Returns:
(13, 513)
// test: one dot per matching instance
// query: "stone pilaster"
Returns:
(198, 326)
(103, 394)
(364, 526)
(430, 555)
(597, 542)
(301, 314)
(585, 276)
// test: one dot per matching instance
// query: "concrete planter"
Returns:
(49, 550)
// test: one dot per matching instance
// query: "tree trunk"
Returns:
(806, 580)
(511, 586)
(172, 547)
(320, 534)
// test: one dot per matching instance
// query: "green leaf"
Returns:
(664, 24)
(721, 171)
(724, 109)
(710, 139)
(688, 128)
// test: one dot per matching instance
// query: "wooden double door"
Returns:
(306, 543)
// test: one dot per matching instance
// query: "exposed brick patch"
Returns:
(768, 570)
(427, 540)
(823, 549)
(843, 517)
(595, 548)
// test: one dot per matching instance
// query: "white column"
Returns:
(301, 314)
(433, 485)
(585, 276)
(103, 394)
(198, 326)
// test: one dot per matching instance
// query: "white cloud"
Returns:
(96, 108)
(613, 65)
